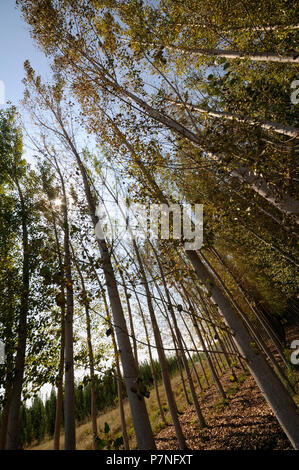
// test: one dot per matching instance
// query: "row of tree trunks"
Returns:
(161, 355)
(271, 387)
(139, 413)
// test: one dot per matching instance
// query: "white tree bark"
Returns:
(284, 203)
(266, 125)
(231, 55)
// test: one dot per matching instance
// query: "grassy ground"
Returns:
(111, 416)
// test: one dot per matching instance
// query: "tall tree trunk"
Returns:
(5, 413)
(59, 404)
(265, 125)
(120, 397)
(231, 345)
(162, 357)
(69, 400)
(190, 358)
(179, 360)
(69, 395)
(90, 353)
(192, 338)
(154, 375)
(230, 55)
(140, 417)
(269, 384)
(203, 345)
(116, 355)
(59, 400)
(130, 319)
(12, 442)
(197, 352)
(92, 378)
(214, 333)
(180, 345)
(281, 201)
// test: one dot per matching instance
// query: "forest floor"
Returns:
(242, 421)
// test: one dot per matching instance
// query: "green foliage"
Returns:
(107, 442)
(135, 58)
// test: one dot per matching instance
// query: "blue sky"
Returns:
(16, 46)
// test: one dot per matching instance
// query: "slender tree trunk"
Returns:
(85, 301)
(59, 400)
(120, 397)
(197, 352)
(69, 401)
(226, 355)
(203, 345)
(269, 384)
(214, 335)
(180, 363)
(212, 345)
(180, 345)
(4, 415)
(69, 398)
(138, 409)
(231, 55)
(117, 365)
(154, 375)
(140, 417)
(130, 320)
(194, 344)
(12, 442)
(58, 412)
(190, 358)
(177, 351)
(162, 358)
(92, 378)
(265, 125)
(93, 381)
(231, 345)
